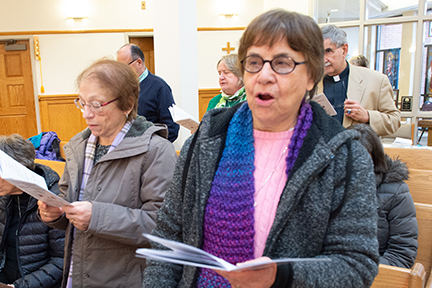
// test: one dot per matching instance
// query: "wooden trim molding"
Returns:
(71, 97)
(52, 32)
(221, 28)
(95, 31)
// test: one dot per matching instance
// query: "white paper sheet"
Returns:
(183, 118)
(28, 181)
(184, 254)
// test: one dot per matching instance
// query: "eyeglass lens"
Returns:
(281, 64)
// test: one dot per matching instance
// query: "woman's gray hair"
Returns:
(336, 35)
(359, 60)
(20, 149)
(231, 61)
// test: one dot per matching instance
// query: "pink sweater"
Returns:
(271, 150)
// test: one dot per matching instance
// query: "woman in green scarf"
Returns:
(231, 83)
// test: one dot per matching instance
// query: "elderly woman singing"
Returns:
(231, 83)
(116, 174)
(273, 177)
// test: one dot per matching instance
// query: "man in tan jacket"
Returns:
(359, 95)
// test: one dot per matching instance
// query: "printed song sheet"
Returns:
(183, 118)
(28, 181)
(325, 103)
(184, 254)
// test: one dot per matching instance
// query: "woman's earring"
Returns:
(127, 115)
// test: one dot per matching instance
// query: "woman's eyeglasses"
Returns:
(281, 64)
(94, 106)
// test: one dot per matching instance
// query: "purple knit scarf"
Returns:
(229, 216)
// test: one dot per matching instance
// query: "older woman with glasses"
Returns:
(273, 177)
(116, 174)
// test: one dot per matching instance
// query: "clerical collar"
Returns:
(338, 78)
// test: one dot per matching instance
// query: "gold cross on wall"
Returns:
(228, 48)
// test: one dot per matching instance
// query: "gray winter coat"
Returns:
(126, 188)
(319, 213)
(397, 223)
(40, 247)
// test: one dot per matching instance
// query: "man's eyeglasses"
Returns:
(133, 61)
(281, 64)
(94, 106)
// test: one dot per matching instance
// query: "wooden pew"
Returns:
(414, 158)
(424, 252)
(420, 185)
(395, 277)
(57, 166)
(419, 162)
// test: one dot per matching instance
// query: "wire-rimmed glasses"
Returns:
(94, 106)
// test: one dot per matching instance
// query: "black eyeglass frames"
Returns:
(280, 64)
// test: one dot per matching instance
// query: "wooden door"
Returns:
(146, 45)
(17, 103)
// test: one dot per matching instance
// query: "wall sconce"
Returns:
(77, 17)
(77, 10)
(228, 14)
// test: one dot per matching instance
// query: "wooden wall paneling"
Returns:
(58, 113)
(205, 95)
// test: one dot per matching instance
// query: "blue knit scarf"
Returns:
(229, 216)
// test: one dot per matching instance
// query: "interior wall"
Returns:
(28, 15)
(210, 52)
(65, 56)
(68, 46)
(209, 12)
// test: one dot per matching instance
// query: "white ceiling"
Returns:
(348, 10)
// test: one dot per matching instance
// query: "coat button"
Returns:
(87, 275)
(99, 188)
(76, 189)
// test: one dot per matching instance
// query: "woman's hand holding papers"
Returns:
(79, 213)
(49, 213)
(252, 278)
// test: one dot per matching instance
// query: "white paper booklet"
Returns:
(184, 254)
(28, 181)
(324, 102)
(183, 118)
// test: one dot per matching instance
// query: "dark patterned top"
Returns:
(101, 150)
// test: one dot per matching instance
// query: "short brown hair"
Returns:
(300, 31)
(119, 79)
